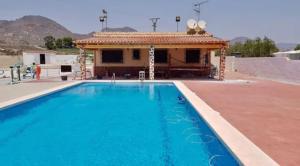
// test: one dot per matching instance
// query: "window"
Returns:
(192, 56)
(136, 55)
(112, 56)
(65, 68)
(161, 56)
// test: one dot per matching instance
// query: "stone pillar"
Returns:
(151, 63)
(82, 61)
(222, 64)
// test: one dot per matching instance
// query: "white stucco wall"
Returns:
(29, 58)
(64, 59)
(51, 58)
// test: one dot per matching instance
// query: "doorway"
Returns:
(42, 59)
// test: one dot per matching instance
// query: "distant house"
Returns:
(176, 54)
(236, 54)
(293, 55)
(47, 58)
(52, 64)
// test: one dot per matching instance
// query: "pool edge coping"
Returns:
(32, 96)
(244, 150)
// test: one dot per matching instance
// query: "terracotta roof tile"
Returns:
(146, 38)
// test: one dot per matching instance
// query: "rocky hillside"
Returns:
(30, 30)
(124, 29)
(239, 40)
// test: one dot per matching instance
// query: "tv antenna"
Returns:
(197, 8)
(154, 23)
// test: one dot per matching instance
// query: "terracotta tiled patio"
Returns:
(267, 112)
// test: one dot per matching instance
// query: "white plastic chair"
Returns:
(141, 75)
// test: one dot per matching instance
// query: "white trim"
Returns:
(246, 151)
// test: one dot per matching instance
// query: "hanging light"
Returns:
(177, 21)
(177, 18)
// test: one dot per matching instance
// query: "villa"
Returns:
(157, 85)
(176, 54)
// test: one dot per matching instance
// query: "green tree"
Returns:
(68, 42)
(257, 47)
(297, 47)
(266, 47)
(247, 49)
(59, 43)
(254, 48)
(49, 42)
(269, 47)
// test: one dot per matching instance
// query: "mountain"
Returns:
(31, 30)
(239, 40)
(28, 32)
(123, 29)
(286, 46)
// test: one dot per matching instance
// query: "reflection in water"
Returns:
(198, 138)
(213, 158)
(180, 118)
(151, 92)
(191, 129)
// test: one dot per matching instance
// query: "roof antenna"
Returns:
(154, 23)
(197, 8)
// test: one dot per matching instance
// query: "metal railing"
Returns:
(1, 72)
(113, 78)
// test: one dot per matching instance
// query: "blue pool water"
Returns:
(109, 124)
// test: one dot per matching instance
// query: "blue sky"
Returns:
(277, 19)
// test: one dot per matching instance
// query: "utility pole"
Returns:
(103, 19)
(197, 8)
(154, 23)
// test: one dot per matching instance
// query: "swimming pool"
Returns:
(109, 124)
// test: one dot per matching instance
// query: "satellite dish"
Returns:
(202, 24)
(192, 24)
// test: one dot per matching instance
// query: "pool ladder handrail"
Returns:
(113, 78)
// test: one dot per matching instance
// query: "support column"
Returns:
(168, 74)
(151, 63)
(82, 62)
(208, 65)
(222, 64)
(95, 63)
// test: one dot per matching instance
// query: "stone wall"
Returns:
(276, 68)
(229, 63)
